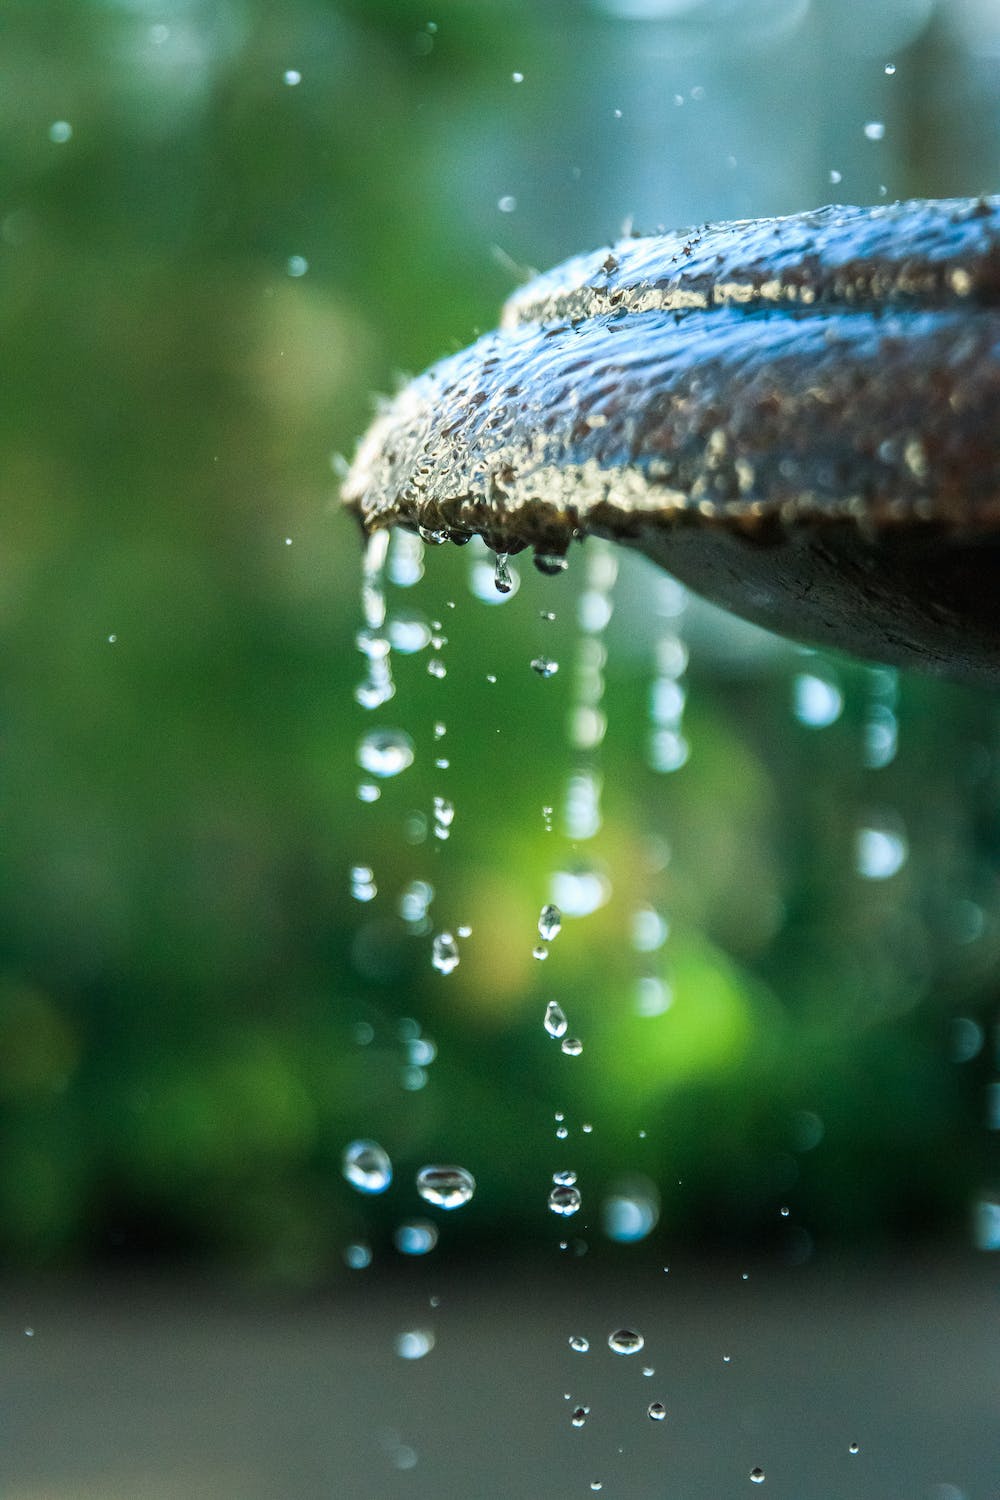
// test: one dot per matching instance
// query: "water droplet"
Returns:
(551, 563)
(363, 887)
(440, 730)
(817, 702)
(464, 931)
(657, 1411)
(416, 1237)
(296, 265)
(517, 78)
(854, 1448)
(367, 1167)
(561, 1132)
(444, 816)
(112, 640)
(595, 1484)
(653, 996)
(632, 1214)
(836, 176)
(408, 633)
(549, 922)
(727, 1359)
(555, 1019)
(60, 131)
(785, 1212)
(544, 666)
(502, 581)
(625, 1341)
(406, 559)
(579, 1416)
(437, 668)
(540, 952)
(357, 1257)
(444, 953)
(581, 890)
(648, 1371)
(445, 1187)
(579, 1344)
(564, 1179)
(757, 1476)
(586, 1129)
(879, 853)
(491, 677)
(385, 752)
(415, 1343)
(889, 70)
(292, 77)
(415, 900)
(507, 203)
(564, 1201)
(874, 131)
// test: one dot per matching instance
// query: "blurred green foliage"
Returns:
(182, 969)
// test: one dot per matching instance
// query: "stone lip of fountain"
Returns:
(798, 417)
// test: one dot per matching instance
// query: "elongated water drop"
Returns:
(564, 1201)
(445, 1187)
(444, 953)
(385, 752)
(556, 1023)
(625, 1341)
(367, 1167)
(549, 922)
(501, 577)
(579, 1416)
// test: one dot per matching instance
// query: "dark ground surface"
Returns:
(142, 1390)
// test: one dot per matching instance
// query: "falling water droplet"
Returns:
(363, 887)
(757, 1476)
(564, 1179)
(657, 1411)
(564, 1201)
(579, 1416)
(416, 1237)
(648, 1371)
(555, 1019)
(501, 577)
(540, 952)
(561, 1132)
(544, 666)
(572, 1046)
(385, 752)
(854, 1448)
(889, 70)
(579, 1344)
(415, 1343)
(444, 953)
(296, 265)
(879, 853)
(445, 1187)
(517, 78)
(875, 131)
(816, 701)
(625, 1341)
(292, 77)
(357, 1257)
(367, 1167)
(549, 922)
(444, 816)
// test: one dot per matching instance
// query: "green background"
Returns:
(183, 969)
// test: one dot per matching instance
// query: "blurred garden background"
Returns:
(224, 224)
